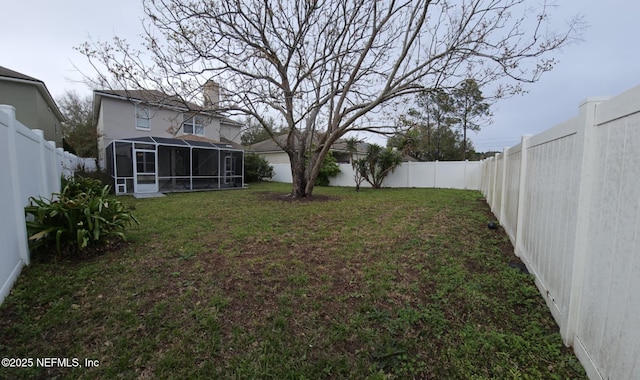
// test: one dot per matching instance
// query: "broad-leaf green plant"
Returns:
(83, 215)
(329, 168)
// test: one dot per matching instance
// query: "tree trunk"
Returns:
(298, 176)
(298, 186)
(314, 170)
(464, 142)
(310, 182)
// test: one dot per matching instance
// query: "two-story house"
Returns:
(35, 107)
(151, 142)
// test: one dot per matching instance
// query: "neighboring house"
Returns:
(151, 142)
(270, 151)
(35, 108)
(121, 114)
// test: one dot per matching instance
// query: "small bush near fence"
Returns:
(98, 174)
(328, 169)
(81, 217)
(74, 186)
(256, 168)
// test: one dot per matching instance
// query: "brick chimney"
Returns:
(211, 92)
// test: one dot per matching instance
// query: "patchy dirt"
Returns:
(405, 288)
(49, 255)
(290, 198)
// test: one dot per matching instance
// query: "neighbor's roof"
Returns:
(14, 76)
(4, 72)
(270, 145)
(157, 99)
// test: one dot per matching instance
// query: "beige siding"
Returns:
(117, 120)
(31, 109)
(100, 130)
(231, 133)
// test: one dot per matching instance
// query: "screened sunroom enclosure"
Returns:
(156, 164)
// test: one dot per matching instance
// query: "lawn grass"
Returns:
(392, 283)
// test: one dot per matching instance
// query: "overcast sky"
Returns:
(39, 37)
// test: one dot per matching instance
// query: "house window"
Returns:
(142, 117)
(193, 125)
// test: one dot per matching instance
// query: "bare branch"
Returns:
(324, 66)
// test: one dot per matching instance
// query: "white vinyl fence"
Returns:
(569, 198)
(439, 174)
(29, 167)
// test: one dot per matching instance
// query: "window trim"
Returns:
(191, 121)
(139, 109)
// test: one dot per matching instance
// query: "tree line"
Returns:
(436, 128)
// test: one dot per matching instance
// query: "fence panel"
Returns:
(12, 233)
(451, 175)
(31, 167)
(511, 191)
(32, 184)
(574, 215)
(611, 293)
(50, 168)
(550, 212)
(443, 174)
(488, 173)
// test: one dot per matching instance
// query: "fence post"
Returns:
(15, 184)
(503, 198)
(494, 181)
(52, 168)
(435, 174)
(60, 161)
(519, 250)
(588, 141)
(466, 163)
(42, 175)
(487, 178)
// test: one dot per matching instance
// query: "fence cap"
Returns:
(594, 99)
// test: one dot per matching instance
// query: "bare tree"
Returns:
(327, 67)
(79, 129)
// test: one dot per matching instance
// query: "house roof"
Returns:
(14, 76)
(152, 97)
(8, 73)
(270, 145)
(157, 99)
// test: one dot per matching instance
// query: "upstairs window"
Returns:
(142, 117)
(193, 125)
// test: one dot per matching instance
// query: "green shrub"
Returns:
(100, 175)
(74, 186)
(378, 163)
(84, 215)
(329, 168)
(256, 168)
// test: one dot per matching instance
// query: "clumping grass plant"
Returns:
(375, 284)
(83, 216)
